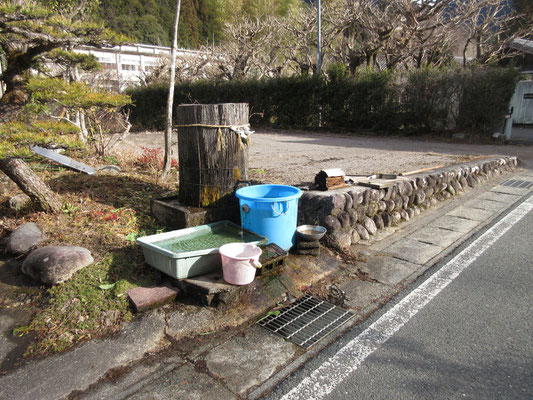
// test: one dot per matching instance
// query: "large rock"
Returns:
(24, 238)
(56, 264)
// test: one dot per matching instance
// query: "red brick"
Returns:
(143, 298)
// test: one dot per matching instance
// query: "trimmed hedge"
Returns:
(426, 100)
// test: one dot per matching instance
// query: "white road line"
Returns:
(325, 378)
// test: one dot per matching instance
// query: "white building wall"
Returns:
(130, 62)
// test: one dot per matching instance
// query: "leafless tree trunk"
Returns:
(170, 102)
(31, 184)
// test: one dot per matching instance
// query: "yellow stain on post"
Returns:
(209, 196)
(236, 174)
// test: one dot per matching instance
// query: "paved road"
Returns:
(465, 333)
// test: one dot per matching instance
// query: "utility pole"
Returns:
(319, 41)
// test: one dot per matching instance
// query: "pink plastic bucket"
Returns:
(239, 262)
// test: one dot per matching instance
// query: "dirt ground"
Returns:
(295, 157)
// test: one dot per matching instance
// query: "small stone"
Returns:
(421, 183)
(396, 217)
(55, 264)
(363, 233)
(339, 240)
(446, 195)
(370, 225)
(344, 219)
(426, 204)
(382, 206)
(404, 215)
(457, 186)
(19, 202)
(398, 203)
(361, 212)
(450, 189)
(433, 201)
(333, 204)
(429, 191)
(349, 202)
(390, 205)
(387, 219)
(110, 169)
(417, 210)
(374, 195)
(24, 238)
(405, 201)
(356, 196)
(408, 188)
(420, 196)
(378, 220)
(411, 212)
(331, 223)
(355, 236)
(372, 209)
(144, 298)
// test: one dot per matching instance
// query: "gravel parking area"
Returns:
(294, 157)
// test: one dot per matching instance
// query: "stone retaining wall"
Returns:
(357, 212)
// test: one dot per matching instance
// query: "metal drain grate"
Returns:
(517, 184)
(306, 321)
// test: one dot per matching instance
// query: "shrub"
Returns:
(485, 99)
(417, 101)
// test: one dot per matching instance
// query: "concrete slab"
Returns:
(494, 206)
(455, 223)
(509, 190)
(184, 383)
(413, 251)
(388, 270)
(363, 296)
(501, 197)
(54, 377)
(437, 236)
(247, 361)
(475, 214)
(138, 378)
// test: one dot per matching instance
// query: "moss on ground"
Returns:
(105, 214)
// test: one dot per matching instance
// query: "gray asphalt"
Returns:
(474, 340)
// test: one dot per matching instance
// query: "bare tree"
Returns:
(489, 27)
(170, 101)
(248, 38)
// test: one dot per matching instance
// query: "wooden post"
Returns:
(212, 158)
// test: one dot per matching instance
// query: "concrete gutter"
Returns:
(194, 350)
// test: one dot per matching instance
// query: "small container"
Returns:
(239, 262)
(311, 233)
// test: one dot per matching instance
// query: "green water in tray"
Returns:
(204, 240)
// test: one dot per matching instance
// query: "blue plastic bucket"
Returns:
(271, 211)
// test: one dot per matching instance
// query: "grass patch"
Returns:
(105, 214)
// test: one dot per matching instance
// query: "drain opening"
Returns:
(306, 321)
(517, 184)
